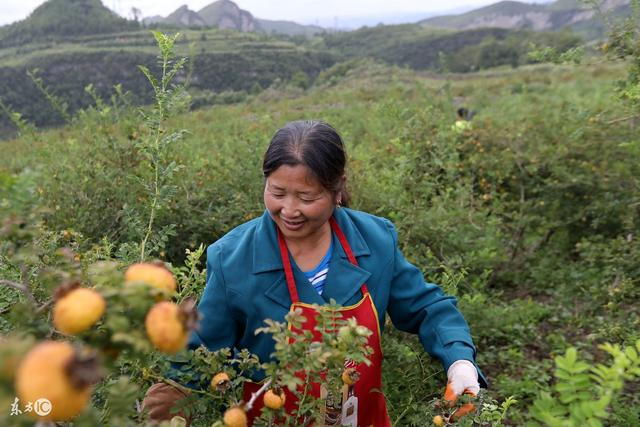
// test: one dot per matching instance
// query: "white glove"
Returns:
(463, 376)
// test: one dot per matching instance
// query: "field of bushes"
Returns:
(530, 217)
(236, 64)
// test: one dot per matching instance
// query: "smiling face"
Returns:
(298, 203)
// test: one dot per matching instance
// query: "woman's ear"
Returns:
(343, 182)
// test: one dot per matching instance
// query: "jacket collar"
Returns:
(343, 281)
(266, 255)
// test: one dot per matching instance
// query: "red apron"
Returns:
(371, 405)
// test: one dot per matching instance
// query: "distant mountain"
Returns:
(226, 14)
(561, 14)
(185, 17)
(64, 18)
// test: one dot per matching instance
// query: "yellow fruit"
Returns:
(9, 365)
(178, 421)
(12, 351)
(438, 421)
(78, 310)
(235, 417)
(153, 274)
(273, 399)
(165, 327)
(350, 376)
(220, 382)
(43, 374)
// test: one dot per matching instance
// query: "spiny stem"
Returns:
(257, 394)
(22, 288)
(408, 406)
(156, 147)
(304, 394)
(152, 214)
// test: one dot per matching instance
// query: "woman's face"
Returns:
(297, 202)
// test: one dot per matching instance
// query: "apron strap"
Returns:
(343, 241)
(288, 271)
(347, 249)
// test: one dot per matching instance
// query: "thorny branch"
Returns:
(257, 394)
(22, 288)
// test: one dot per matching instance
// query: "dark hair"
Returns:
(314, 144)
(465, 113)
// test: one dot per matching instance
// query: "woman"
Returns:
(308, 247)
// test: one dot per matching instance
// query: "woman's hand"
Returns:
(160, 400)
(463, 378)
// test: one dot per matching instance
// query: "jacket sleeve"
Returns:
(217, 328)
(422, 308)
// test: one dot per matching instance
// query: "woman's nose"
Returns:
(289, 208)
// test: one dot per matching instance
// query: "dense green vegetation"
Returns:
(530, 217)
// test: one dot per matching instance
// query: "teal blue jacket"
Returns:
(246, 284)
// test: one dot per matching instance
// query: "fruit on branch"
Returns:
(155, 274)
(76, 309)
(438, 421)
(168, 325)
(59, 373)
(235, 417)
(350, 376)
(165, 327)
(220, 382)
(12, 351)
(274, 398)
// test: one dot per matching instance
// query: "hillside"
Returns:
(288, 27)
(224, 61)
(562, 14)
(227, 64)
(62, 19)
(423, 48)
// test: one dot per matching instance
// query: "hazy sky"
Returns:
(322, 12)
